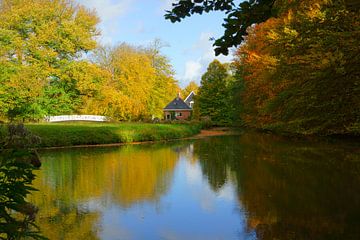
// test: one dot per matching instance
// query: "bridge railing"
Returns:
(65, 118)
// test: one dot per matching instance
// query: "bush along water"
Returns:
(17, 162)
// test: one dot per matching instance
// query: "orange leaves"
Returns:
(300, 68)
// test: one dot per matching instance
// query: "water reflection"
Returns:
(290, 190)
(253, 186)
(75, 186)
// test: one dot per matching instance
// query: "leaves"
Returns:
(238, 19)
(39, 40)
(299, 71)
(214, 98)
(17, 163)
(138, 83)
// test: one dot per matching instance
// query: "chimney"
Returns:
(178, 96)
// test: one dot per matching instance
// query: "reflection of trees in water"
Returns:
(125, 176)
(290, 190)
(68, 223)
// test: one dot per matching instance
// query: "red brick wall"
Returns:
(184, 114)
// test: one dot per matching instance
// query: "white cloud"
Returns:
(109, 12)
(227, 192)
(108, 9)
(194, 69)
(193, 173)
(166, 4)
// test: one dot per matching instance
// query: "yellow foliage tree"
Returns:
(40, 40)
(139, 83)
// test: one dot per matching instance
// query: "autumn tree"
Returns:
(139, 84)
(42, 42)
(300, 71)
(240, 15)
(214, 96)
(165, 84)
(191, 87)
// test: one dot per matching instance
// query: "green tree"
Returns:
(214, 97)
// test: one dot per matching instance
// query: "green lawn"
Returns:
(70, 134)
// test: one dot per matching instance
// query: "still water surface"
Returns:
(252, 186)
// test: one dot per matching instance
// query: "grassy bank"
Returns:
(71, 134)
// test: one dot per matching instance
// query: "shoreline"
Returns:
(214, 132)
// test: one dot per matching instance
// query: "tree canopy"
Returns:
(41, 45)
(46, 66)
(138, 83)
(214, 95)
(299, 71)
(296, 72)
(239, 17)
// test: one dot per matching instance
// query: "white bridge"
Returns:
(65, 118)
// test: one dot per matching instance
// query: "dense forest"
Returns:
(297, 72)
(52, 64)
(295, 68)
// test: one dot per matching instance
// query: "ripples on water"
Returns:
(253, 186)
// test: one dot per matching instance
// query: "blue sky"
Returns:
(139, 22)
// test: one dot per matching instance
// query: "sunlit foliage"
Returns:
(300, 70)
(41, 43)
(44, 66)
(140, 83)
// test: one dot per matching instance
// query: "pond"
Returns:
(251, 186)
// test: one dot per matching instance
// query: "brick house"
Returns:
(177, 109)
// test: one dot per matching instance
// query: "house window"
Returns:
(191, 104)
(178, 114)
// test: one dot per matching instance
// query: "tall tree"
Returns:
(40, 40)
(139, 85)
(300, 71)
(214, 99)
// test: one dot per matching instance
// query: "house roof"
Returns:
(177, 104)
(189, 98)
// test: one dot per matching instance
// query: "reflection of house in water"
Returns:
(186, 151)
(179, 109)
(184, 148)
